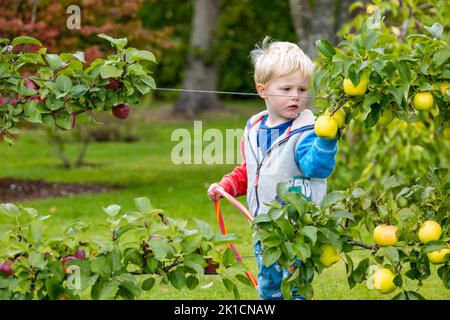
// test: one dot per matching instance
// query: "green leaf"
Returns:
(10, 209)
(435, 30)
(391, 254)
(195, 262)
(78, 91)
(302, 250)
(128, 282)
(204, 228)
(112, 210)
(36, 260)
(272, 240)
(105, 289)
(393, 182)
(54, 288)
(360, 271)
(412, 295)
(177, 279)
(64, 120)
(101, 265)
(434, 245)
(343, 214)
(371, 98)
(271, 255)
(310, 232)
(63, 83)
(263, 217)
(148, 284)
(441, 56)
(110, 71)
(54, 61)
(404, 71)
(57, 270)
(192, 282)
(137, 55)
(25, 40)
(326, 48)
(224, 238)
(134, 256)
(149, 81)
(119, 43)
(159, 247)
(331, 198)
(143, 204)
(35, 229)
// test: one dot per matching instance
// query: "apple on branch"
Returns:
(113, 84)
(121, 111)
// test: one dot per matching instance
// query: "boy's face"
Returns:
(283, 108)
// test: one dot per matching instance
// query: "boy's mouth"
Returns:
(293, 106)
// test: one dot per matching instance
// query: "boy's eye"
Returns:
(286, 89)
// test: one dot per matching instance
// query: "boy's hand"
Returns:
(212, 195)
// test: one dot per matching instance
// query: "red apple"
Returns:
(6, 268)
(14, 101)
(79, 254)
(113, 84)
(3, 100)
(17, 48)
(31, 84)
(211, 267)
(121, 111)
(32, 48)
(65, 260)
(38, 99)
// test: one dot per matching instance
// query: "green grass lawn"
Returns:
(144, 168)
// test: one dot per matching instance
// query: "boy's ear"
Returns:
(261, 89)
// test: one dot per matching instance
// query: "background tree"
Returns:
(319, 19)
(202, 71)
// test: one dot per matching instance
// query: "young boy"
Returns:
(279, 145)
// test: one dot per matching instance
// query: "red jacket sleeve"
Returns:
(235, 183)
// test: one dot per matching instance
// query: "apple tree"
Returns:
(121, 258)
(64, 86)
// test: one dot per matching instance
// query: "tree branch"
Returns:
(362, 244)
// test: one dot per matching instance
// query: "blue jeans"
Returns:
(269, 278)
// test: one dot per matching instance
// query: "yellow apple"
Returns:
(326, 127)
(438, 257)
(430, 230)
(329, 256)
(423, 101)
(359, 90)
(370, 8)
(444, 86)
(385, 235)
(386, 117)
(383, 280)
(338, 116)
(447, 133)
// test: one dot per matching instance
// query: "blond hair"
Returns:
(274, 59)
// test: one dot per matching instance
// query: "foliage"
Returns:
(129, 253)
(394, 76)
(65, 86)
(44, 19)
(339, 220)
(241, 25)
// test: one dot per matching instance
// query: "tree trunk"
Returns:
(318, 19)
(202, 70)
